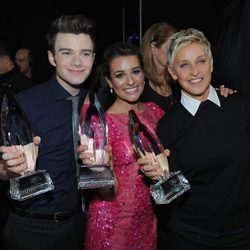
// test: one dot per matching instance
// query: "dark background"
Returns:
(25, 23)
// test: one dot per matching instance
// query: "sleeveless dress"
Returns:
(128, 221)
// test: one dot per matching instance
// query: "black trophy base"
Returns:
(30, 185)
(169, 188)
(96, 176)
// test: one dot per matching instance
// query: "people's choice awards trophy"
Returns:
(93, 133)
(17, 133)
(170, 185)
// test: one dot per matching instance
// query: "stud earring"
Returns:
(111, 90)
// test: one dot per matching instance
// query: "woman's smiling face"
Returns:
(126, 78)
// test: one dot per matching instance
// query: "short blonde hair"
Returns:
(185, 37)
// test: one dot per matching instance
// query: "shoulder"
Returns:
(174, 119)
(20, 77)
(234, 101)
(19, 82)
(34, 93)
(35, 89)
(148, 92)
(153, 107)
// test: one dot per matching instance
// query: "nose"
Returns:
(76, 60)
(195, 70)
(131, 80)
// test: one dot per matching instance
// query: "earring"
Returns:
(111, 90)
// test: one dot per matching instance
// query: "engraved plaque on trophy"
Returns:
(93, 133)
(17, 133)
(170, 185)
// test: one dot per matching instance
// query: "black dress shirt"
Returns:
(50, 113)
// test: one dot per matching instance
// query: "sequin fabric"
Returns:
(128, 221)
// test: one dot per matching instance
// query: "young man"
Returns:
(53, 220)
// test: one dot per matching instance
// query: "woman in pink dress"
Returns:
(126, 220)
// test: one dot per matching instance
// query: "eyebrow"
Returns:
(84, 50)
(121, 71)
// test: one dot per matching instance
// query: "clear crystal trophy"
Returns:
(170, 185)
(16, 132)
(93, 133)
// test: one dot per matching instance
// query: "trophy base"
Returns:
(169, 188)
(96, 176)
(30, 185)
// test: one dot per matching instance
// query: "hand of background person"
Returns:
(224, 91)
(13, 162)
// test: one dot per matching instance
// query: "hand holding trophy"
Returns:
(170, 185)
(16, 132)
(93, 133)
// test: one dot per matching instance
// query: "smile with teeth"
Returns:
(197, 80)
(131, 90)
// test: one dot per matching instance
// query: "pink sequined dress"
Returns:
(128, 221)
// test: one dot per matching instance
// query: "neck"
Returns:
(71, 88)
(29, 73)
(120, 107)
(160, 70)
(163, 89)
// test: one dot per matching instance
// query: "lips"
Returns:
(131, 90)
(76, 71)
(197, 80)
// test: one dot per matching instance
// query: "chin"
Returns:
(78, 81)
(133, 100)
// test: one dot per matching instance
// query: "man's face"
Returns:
(22, 60)
(73, 59)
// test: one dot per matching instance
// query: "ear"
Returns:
(212, 65)
(93, 57)
(51, 58)
(109, 82)
(172, 72)
(153, 48)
